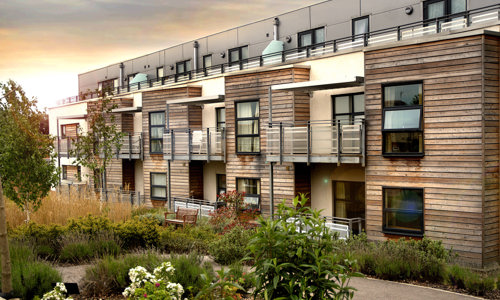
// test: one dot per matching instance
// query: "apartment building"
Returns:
(386, 113)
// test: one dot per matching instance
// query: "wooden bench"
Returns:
(183, 216)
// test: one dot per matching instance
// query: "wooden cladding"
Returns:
(459, 170)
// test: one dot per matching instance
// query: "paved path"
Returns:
(368, 288)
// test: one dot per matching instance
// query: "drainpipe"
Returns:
(195, 55)
(122, 68)
(276, 24)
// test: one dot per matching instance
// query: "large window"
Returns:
(349, 199)
(221, 184)
(221, 117)
(311, 37)
(403, 210)
(247, 127)
(439, 8)
(349, 108)
(360, 26)
(402, 120)
(156, 127)
(238, 55)
(183, 67)
(251, 187)
(158, 186)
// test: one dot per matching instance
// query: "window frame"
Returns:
(155, 126)
(64, 172)
(420, 129)
(236, 120)
(251, 195)
(184, 64)
(217, 120)
(151, 186)
(388, 230)
(204, 62)
(158, 73)
(352, 114)
(240, 59)
(353, 21)
(313, 38)
(447, 9)
(218, 180)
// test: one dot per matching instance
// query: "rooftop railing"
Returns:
(316, 142)
(188, 144)
(485, 15)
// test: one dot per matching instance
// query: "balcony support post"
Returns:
(363, 144)
(58, 152)
(208, 145)
(141, 146)
(190, 144)
(271, 190)
(281, 143)
(338, 141)
(169, 186)
(224, 144)
(68, 145)
(308, 143)
(129, 146)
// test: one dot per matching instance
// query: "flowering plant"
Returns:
(58, 293)
(153, 286)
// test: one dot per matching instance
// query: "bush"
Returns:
(81, 247)
(231, 247)
(473, 282)
(294, 257)
(44, 239)
(90, 225)
(138, 233)
(76, 252)
(185, 240)
(30, 277)
(110, 275)
(188, 272)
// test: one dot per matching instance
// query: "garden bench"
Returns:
(183, 216)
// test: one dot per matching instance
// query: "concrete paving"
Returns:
(368, 288)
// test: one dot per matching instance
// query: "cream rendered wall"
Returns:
(322, 176)
(210, 170)
(137, 116)
(139, 176)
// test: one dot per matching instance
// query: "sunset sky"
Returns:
(45, 44)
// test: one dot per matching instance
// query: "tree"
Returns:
(27, 160)
(94, 149)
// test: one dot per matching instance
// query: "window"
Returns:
(108, 85)
(349, 108)
(403, 210)
(311, 37)
(183, 67)
(69, 130)
(439, 8)
(251, 187)
(156, 127)
(221, 117)
(247, 127)
(221, 184)
(238, 55)
(158, 186)
(64, 172)
(71, 172)
(402, 121)
(207, 61)
(159, 72)
(349, 200)
(360, 26)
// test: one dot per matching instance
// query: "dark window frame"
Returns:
(155, 126)
(218, 122)
(240, 52)
(385, 153)
(157, 186)
(447, 9)
(204, 65)
(184, 64)
(353, 21)
(237, 135)
(313, 38)
(388, 230)
(252, 195)
(157, 72)
(218, 179)
(65, 172)
(352, 114)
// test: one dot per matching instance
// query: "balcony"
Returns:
(131, 146)
(63, 146)
(186, 144)
(316, 142)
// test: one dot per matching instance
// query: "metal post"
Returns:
(224, 144)
(208, 145)
(58, 152)
(68, 145)
(190, 144)
(308, 143)
(281, 143)
(169, 185)
(363, 143)
(399, 33)
(129, 146)
(271, 190)
(338, 142)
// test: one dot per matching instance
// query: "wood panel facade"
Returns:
(286, 107)
(459, 170)
(180, 117)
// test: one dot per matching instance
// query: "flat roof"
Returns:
(198, 100)
(132, 109)
(317, 85)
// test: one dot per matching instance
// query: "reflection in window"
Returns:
(360, 26)
(440, 8)
(183, 67)
(251, 187)
(402, 123)
(311, 37)
(247, 127)
(221, 117)
(158, 186)
(156, 127)
(403, 210)
(238, 55)
(349, 108)
(349, 200)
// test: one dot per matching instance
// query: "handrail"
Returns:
(391, 34)
(186, 143)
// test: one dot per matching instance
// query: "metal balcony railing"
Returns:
(482, 16)
(187, 144)
(131, 146)
(204, 207)
(63, 146)
(316, 141)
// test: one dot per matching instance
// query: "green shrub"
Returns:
(231, 246)
(138, 233)
(473, 282)
(296, 264)
(238, 275)
(30, 277)
(185, 240)
(81, 247)
(76, 252)
(110, 274)
(43, 238)
(90, 225)
(188, 272)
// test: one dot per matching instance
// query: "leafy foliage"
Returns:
(294, 257)
(231, 247)
(27, 167)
